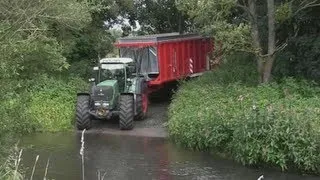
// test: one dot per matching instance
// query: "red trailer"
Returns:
(169, 57)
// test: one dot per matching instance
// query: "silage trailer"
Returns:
(164, 58)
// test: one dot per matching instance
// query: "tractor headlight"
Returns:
(97, 104)
(105, 104)
(102, 104)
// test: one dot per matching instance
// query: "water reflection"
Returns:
(127, 157)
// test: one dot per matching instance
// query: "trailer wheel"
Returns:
(126, 112)
(142, 106)
(83, 117)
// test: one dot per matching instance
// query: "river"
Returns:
(131, 157)
(143, 153)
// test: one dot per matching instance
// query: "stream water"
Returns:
(131, 157)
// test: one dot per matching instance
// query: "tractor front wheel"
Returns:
(83, 117)
(126, 112)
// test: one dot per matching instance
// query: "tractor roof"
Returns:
(116, 60)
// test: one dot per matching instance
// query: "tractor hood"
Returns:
(106, 91)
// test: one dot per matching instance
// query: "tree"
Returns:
(247, 25)
(161, 16)
(28, 46)
(84, 47)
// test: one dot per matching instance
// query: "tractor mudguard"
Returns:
(139, 86)
(85, 94)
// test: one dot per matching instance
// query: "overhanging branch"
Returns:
(306, 4)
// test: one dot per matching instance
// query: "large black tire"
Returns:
(126, 112)
(83, 117)
(140, 114)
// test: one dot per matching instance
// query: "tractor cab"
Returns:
(114, 70)
(112, 77)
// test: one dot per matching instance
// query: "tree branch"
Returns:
(305, 4)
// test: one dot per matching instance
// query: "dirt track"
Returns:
(152, 126)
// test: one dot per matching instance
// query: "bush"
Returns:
(42, 104)
(275, 124)
(13, 117)
(52, 103)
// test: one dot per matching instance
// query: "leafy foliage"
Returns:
(160, 16)
(26, 42)
(273, 124)
(221, 20)
(52, 103)
(301, 57)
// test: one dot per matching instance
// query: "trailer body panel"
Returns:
(168, 57)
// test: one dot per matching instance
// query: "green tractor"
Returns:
(116, 91)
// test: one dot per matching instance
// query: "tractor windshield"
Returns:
(113, 72)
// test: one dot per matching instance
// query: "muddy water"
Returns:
(131, 157)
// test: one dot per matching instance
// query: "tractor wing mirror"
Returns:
(92, 80)
(96, 68)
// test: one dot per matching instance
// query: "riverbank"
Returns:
(271, 125)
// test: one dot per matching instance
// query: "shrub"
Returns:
(13, 117)
(275, 124)
(52, 103)
(41, 104)
(283, 133)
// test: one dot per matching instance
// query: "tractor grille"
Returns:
(102, 93)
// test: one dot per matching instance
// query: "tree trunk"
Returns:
(260, 66)
(255, 37)
(267, 69)
(264, 62)
(271, 42)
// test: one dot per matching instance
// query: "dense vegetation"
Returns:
(48, 46)
(226, 111)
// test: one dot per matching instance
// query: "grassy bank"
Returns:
(46, 104)
(227, 111)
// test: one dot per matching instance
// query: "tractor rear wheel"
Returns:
(83, 117)
(126, 112)
(142, 107)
